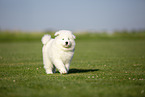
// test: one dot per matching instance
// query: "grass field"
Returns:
(101, 67)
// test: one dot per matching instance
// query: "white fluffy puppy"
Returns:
(58, 52)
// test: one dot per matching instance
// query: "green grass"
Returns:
(101, 67)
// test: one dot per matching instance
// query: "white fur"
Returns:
(58, 52)
(45, 38)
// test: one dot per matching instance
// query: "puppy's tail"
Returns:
(45, 38)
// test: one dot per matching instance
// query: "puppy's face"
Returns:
(65, 40)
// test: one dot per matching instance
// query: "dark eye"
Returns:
(68, 39)
(63, 39)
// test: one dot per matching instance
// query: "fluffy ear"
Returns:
(57, 33)
(74, 37)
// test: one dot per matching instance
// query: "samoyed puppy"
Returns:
(58, 52)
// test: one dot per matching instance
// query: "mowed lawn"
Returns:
(100, 68)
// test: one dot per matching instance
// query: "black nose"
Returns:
(66, 43)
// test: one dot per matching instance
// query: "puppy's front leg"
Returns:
(60, 66)
(67, 66)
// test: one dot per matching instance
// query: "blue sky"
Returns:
(76, 15)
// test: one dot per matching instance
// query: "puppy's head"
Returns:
(65, 39)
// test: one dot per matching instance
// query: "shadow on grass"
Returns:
(82, 70)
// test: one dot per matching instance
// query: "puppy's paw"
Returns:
(63, 71)
(49, 72)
